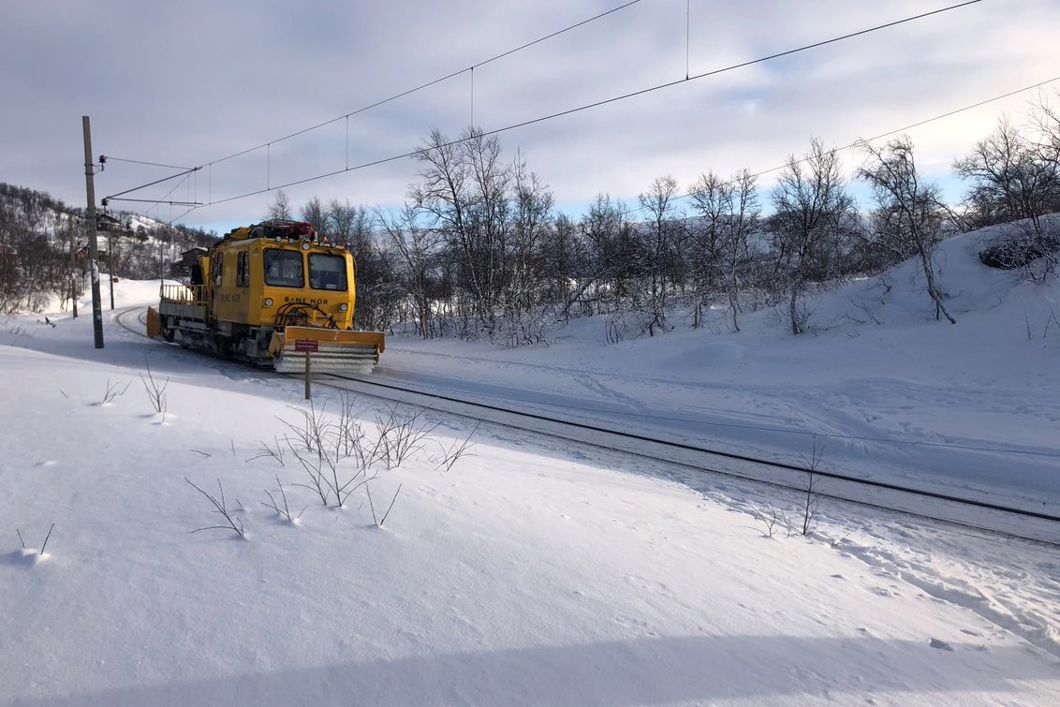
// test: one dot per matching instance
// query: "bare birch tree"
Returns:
(660, 232)
(712, 202)
(910, 218)
(811, 204)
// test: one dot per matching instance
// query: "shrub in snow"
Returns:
(339, 457)
(285, 511)
(452, 454)
(810, 500)
(156, 391)
(114, 391)
(221, 508)
(771, 519)
(1034, 253)
(29, 551)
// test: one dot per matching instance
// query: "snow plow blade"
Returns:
(338, 351)
(154, 323)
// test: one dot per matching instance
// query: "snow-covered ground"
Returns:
(971, 408)
(535, 571)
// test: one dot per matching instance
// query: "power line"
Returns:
(889, 133)
(149, 184)
(159, 201)
(428, 84)
(346, 117)
(597, 104)
(167, 195)
(109, 158)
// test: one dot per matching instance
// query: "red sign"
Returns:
(308, 345)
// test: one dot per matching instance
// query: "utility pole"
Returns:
(90, 224)
(73, 265)
(110, 265)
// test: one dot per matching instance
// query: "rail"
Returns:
(1032, 524)
(1038, 525)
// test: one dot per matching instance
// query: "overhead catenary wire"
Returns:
(167, 195)
(595, 104)
(432, 82)
(111, 158)
(112, 197)
(880, 136)
(376, 104)
(157, 201)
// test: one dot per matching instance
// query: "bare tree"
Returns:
(811, 204)
(910, 218)
(314, 212)
(532, 204)
(350, 225)
(661, 232)
(712, 202)
(1045, 120)
(280, 206)
(743, 220)
(565, 264)
(419, 249)
(463, 193)
(612, 255)
(727, 212)
(1011, 178)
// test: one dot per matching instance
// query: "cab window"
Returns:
(242, 270)
(283, 268)
(217, 263)
(327, 272)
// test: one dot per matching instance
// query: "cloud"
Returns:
(190, 82)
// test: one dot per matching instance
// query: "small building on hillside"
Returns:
(189, 259)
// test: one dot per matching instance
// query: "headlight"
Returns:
(343, 307)
(268, 301)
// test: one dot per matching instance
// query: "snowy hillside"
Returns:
(533, 571)
(887, 391)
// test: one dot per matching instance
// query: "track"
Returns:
(1027, 523)
(141, 319)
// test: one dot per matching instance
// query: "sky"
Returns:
(190, 83)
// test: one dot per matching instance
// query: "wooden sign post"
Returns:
(309, 347)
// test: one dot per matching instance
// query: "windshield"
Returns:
(283, 268)
(327, 272)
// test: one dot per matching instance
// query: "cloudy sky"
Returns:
(188, 83)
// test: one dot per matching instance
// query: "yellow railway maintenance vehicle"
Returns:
(262, 288)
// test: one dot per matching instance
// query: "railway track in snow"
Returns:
(1027, 523)
(141, 319)
(1042, 525)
